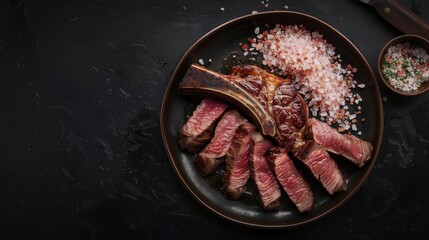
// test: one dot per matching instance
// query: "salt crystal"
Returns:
(359, 133)
(354, 128)
(253, 12)
(201, 61)
(257, 30)
(361, 85)
(222, 9)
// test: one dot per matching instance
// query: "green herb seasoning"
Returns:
(405, 67)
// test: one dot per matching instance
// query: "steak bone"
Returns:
(202, 81)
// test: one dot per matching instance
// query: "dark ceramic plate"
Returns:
(218, 44)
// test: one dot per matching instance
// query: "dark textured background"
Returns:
(81, 156)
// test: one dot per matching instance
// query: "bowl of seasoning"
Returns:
(403, 65)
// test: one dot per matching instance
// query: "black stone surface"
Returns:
(81, 156)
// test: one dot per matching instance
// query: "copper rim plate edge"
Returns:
(244, 223)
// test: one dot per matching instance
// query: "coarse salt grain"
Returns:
(257, 30)
(201, 61)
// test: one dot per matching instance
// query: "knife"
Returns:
(401, 17)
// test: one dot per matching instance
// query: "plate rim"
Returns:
(269, 226)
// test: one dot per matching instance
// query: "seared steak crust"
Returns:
(280, 98)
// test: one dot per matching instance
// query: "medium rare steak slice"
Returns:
(265, 181)
(322, 166)
(199, 128)
(356, 150)
(294, 185)
(212, 156)
(237, 162)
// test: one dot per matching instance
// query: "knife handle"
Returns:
(401, 17)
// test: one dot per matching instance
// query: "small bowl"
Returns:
(415, 41)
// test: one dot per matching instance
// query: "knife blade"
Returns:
(400, 17)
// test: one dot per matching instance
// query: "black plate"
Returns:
(218, 44)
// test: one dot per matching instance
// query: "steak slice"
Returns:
(322, 166)
(237, 162)
(356, 150)
(265, 181)
(212, 156)
(293, 183)
(199, 128)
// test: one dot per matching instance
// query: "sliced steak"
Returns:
(356, 150)
(199, 128)
(237, 162)
(293, 183)
(212, 156)
(200, 80)
(272, 102)
(322, 166)
(263, 177)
